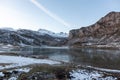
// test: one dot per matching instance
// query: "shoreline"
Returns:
(73, 69)
(96, 47)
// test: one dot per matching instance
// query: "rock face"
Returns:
(104, 33)
(24, 37)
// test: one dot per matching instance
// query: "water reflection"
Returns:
(85, 56)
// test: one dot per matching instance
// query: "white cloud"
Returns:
(52, 15)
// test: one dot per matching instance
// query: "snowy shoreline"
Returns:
(11, 61)
(18, 61)
(104, 70)
(76, 74)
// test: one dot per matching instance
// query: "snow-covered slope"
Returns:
(24, 37)
(17, 61)
(7, 28)
(44, 32)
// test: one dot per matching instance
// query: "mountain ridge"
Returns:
(61, 34)
(105, 33)
(23, 37)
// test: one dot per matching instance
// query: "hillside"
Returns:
(104, 33)
(23, 37)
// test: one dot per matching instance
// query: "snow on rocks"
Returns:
(1, 74)
(104, 70)
(82, 74)
(13, 74)
(23, 70)
(15, 61)
(4, 47)
(44, 32)
(12, 78)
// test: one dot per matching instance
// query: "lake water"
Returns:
(85, 56)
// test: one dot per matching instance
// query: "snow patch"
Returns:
(1, 74)
(105, 70)
(23, 70)
(86, 75)
(12, 78)
(59, 35)
(6, 46)
(16, 61)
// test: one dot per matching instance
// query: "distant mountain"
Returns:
(23, 37)
(104, 33)
(60, 35)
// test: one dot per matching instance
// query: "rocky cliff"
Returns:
(25, 37)
(104, 33)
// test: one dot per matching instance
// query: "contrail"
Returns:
(52, 15)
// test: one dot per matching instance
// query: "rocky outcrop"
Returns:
(104, 33)
(25, 37)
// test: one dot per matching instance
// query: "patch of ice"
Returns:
(16, 61)
(106, 70)
(51, 47)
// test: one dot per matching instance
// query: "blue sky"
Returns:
(54, 15)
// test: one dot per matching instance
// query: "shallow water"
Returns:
(84, 56)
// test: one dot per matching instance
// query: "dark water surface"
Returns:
(85, 56)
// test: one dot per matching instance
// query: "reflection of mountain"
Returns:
(86, 56)
(54, 54)
(97, 58)
(24, 37)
